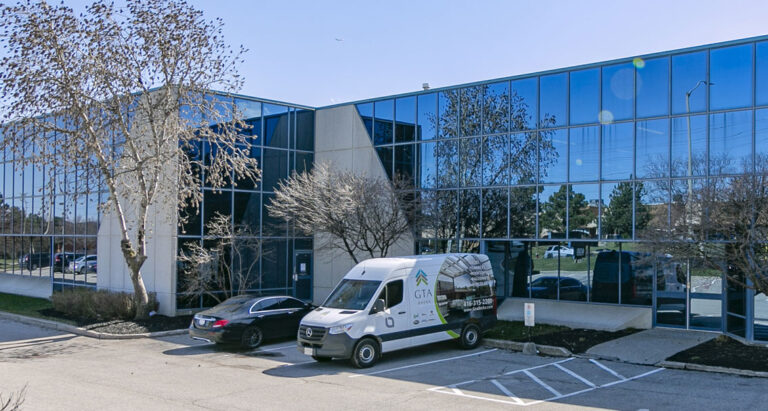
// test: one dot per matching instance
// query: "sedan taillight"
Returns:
(220, 323)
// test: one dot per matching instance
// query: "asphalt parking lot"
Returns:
(67, 372)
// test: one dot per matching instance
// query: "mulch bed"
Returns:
(580, 340)
(153, 324)
(576, 340)
(726, 352)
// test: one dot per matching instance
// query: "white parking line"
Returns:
(423, 363)
(506, 392)
(577, 376)
(277, 348)
(514, 400)
(617, 375)
(542, 383)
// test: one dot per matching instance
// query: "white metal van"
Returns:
(386, 304)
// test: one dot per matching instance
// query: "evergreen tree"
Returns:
(553, 212)
(618, 216)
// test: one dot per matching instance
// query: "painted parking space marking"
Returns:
(422, 363)
(617, 375)
(277, 348)
(504, 389)
(461, 388)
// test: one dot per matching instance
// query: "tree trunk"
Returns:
(140, 296)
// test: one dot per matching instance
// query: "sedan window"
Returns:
(269, 304)
(291, 303)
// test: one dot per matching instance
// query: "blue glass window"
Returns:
(366, 114)
(698, 140)
(494, 160)
(761, 73)
(448, 106)
(585, 96)
(618, 92)
(688, 70)
(553, 156)
(730, 71)
(427, 117)
(471, 110)
(554, 91)
(448, 163)
(730, 142)
(471, 162)
(652, 148)
(761, 136)
(524, 103)
(405, 119)
(385, 155)
(382, 126)
(584, 152)
(496, 108)
(652, 87)
(276, 126)
(305, 130)
(427, 165)
(618, 151)
(523, 159)
(404, 162)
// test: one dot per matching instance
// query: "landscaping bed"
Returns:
(42, 308)
(575, 340)
(725, 352)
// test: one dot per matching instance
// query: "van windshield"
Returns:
(352, 294)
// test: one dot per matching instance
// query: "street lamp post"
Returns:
(690, 149)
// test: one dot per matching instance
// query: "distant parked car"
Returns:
(552, 251)
(249, 320)
(570, 288)
(84, 264)
(61, 261)
(34, 261)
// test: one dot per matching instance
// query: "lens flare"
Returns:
(638, 62)
(605, 117)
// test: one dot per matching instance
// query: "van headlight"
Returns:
(340, 329)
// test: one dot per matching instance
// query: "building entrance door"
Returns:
(688, 295)
(302, 274)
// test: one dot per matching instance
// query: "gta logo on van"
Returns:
(421, 278)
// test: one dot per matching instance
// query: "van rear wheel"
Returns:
(366, 353)
(470, 337)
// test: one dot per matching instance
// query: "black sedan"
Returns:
(570, 288)
(248, 320)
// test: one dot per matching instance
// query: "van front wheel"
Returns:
(470, 337)
(366, 353)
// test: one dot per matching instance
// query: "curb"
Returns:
(55, 325)
(711, 368)
(518, 346)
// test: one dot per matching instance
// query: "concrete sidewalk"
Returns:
(650, 347)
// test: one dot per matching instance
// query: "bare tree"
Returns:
(721, 222)
(14, 401)
(119, 99)
(225, 265)
(359, 214)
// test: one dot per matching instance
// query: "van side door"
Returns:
(392, 324)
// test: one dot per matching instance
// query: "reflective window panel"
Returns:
(618, 151)
(730, 142)
(618, 93)
(427, 116)
(730, 71)
(584, 153)
(554, 100)
(524, 103)
(584, 96)
(652, 148)
(689, 72)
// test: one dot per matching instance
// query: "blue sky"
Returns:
(325, 52)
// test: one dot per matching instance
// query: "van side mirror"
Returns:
(378, 306)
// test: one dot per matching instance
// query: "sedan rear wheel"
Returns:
(252, 337)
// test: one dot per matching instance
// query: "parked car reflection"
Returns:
(546, 287)
(248, 320)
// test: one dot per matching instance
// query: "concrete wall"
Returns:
(39, 287)
(578, 315)
(342, 140)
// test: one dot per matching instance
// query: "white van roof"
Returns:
(379, 269)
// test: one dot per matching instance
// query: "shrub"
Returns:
(88, 304)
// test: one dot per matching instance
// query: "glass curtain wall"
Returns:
(45, 228)
(283, 138)
(578, 167)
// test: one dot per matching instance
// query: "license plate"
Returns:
(309, 351)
